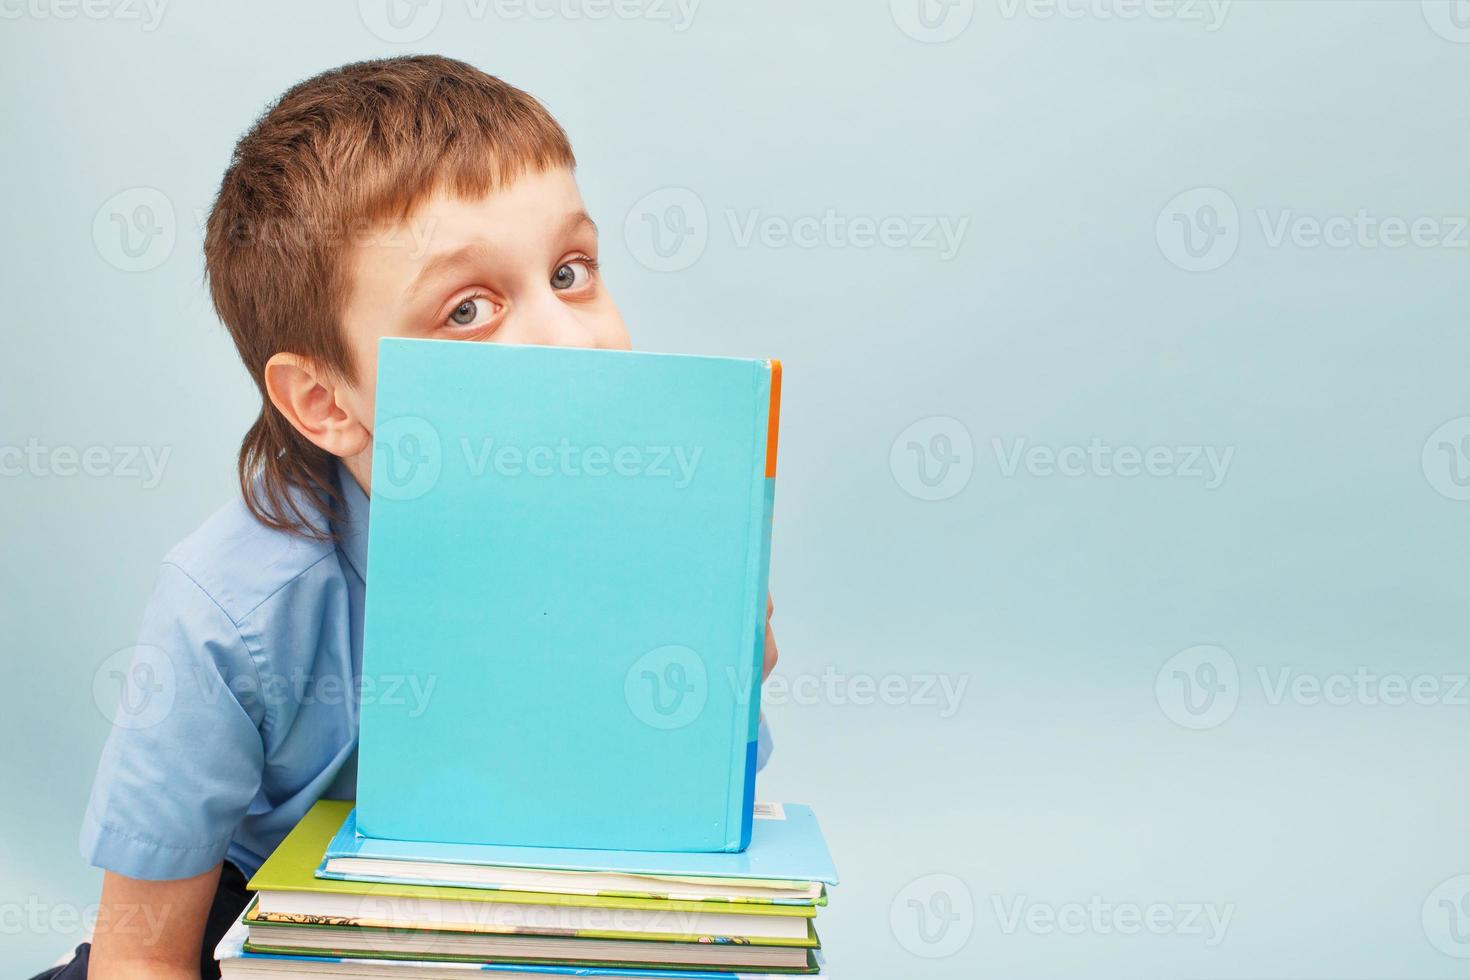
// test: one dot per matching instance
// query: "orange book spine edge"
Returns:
(773, 426)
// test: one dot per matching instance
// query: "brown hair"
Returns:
(354, 146)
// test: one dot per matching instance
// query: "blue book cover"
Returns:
(786, 844)
(568, 551)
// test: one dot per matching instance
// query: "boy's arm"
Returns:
(151, 930)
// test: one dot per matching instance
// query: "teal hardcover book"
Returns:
(568, 555)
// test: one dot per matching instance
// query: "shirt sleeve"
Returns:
(185, 755)
(763, 745)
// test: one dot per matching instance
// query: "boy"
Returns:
(411, 197)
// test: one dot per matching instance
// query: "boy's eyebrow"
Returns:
(577, 220)
(439, 264)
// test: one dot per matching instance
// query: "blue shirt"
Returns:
(239, 710)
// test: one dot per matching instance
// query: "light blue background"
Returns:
(1056, 600)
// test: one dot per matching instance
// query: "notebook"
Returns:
(787, 862)
(568, 551)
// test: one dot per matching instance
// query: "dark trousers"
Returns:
(230, 899)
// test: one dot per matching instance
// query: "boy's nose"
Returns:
(553, 323)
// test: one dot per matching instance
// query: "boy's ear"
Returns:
(312, 401)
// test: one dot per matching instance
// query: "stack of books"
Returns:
(571, 550)
(331, 902)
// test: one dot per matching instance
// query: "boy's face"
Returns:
(518, 266)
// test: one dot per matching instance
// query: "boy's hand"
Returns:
(771, 653)
(151, 930)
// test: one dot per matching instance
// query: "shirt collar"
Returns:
(352, 526)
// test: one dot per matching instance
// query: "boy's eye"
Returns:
(569, 275)
(472, 312)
